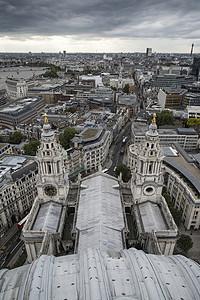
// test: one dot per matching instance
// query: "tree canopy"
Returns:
(113, 88)
(16, 138)
(165, 117)
(185, 243)
(52, 73)
(71, 109)
(66, 137)
(31, 148)
(126, 88)
(126, 172)
(176, 214)
(193, 122)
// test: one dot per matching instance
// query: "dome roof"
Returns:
(91, 274)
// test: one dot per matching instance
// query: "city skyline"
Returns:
(100, 26)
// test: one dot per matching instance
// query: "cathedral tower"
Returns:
(147, 173)
(43, 229)
(52, 177)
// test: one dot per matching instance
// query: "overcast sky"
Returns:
(99, 25)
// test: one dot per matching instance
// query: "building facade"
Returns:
(17, 189)
(94, 143)
(170, 98)
(184, 199)
(20, 112)
(186, 137)
(16, 88)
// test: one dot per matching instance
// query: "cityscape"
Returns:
(99, 150)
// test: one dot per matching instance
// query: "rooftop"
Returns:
(151, 217)
(19, 106)
(48, 217)
(100, 220)
(91, 275)
(89, 133)
(11, 163)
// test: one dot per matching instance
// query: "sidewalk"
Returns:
(194, 253)
(11, 231)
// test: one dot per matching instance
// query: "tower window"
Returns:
(58, 169)
(49, 167)
(47, 146)
(141, 166)
(150, 167)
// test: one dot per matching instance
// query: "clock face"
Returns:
(50, 190)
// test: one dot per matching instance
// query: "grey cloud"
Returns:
(100, 18)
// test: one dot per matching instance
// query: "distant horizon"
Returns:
(81, 52)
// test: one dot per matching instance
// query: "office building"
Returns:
(149, 52)
(17, 189)
(186, 137)
(171, 98)
(20, 112)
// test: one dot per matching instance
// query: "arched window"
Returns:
(150, 167)
(49, 167)
(58, 167)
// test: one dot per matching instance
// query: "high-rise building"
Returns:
(149, 52)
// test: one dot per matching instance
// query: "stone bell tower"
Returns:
(147, 172)
(53, 181)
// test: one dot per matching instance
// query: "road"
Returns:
(10, 249)
(117, 156)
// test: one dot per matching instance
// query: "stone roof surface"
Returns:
(95, 275)
(100, 220)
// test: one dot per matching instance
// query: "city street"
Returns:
(115, 157)
(10, 247)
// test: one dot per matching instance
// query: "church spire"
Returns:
(154, 119)
(45, 119)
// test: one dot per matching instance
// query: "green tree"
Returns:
(185, 243)
(193, 122)
(176, 214)
(52, 73)
(126, 172)
(126, 88)
(66, 137)
(31, 148)
(16, 138)
(165, 118)
(113, 88)
(71, 109)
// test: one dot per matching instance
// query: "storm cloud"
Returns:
(104, 18)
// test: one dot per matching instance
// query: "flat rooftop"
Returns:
(48, 217)
(19, 105)
(89, 133)
(11, 163)
(152, 217)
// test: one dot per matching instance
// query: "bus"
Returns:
(105, 171)
(20, 225)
